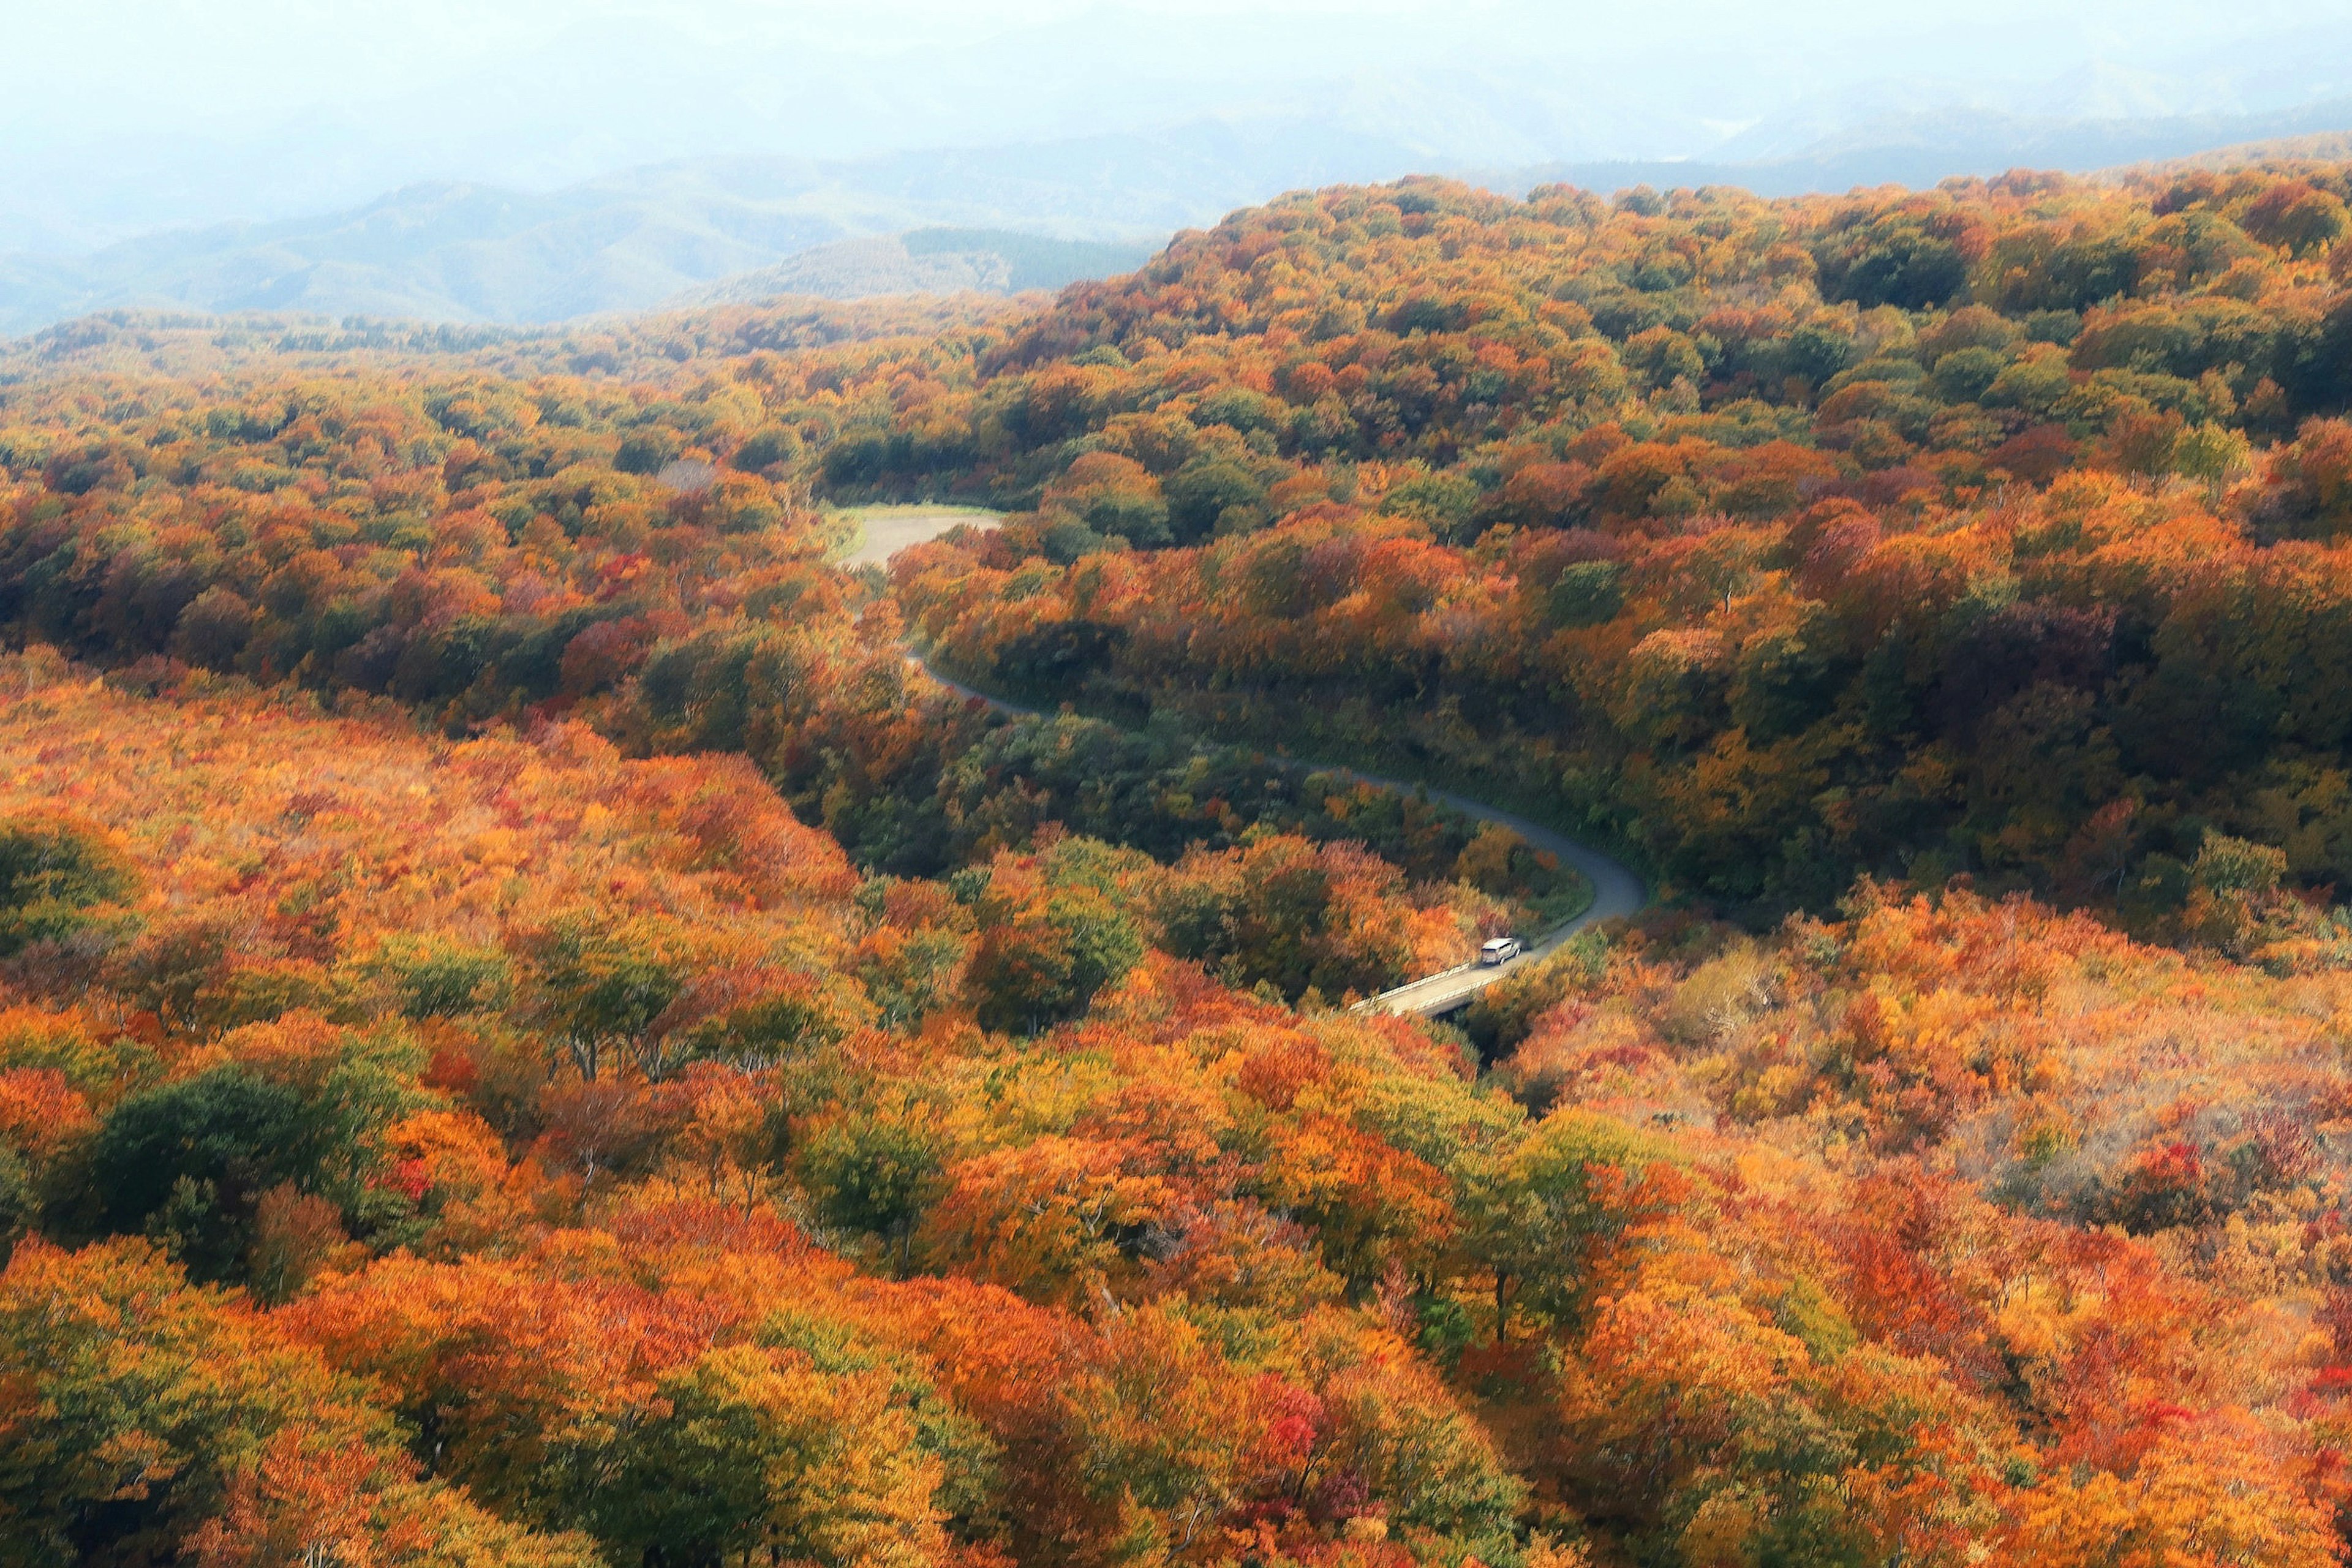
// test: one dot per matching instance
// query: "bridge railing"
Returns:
(1372, 1003)
(1540, 946)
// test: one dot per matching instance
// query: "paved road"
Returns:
(1616, 890)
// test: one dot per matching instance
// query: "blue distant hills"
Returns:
(995, 219)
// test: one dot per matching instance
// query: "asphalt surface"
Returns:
(1616, 890)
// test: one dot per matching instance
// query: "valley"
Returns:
(591, 977)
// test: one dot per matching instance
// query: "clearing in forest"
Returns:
(883, 530)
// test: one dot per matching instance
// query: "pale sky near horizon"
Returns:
(125, 114)
(239, 59)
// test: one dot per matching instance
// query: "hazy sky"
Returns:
(122, 113)
(97, 65)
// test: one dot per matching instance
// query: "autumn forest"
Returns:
(538, 1027)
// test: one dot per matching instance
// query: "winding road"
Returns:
(1616, 890)
(1616, 893)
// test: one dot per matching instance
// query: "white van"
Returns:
(1499, 950)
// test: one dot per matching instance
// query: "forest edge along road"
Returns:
(1616, 890)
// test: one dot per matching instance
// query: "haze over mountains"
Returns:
(599, 159)
(450, 251)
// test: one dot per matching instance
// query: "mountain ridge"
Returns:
(727, 227)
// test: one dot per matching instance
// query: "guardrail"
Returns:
(1369, 1002)
(1536, 947)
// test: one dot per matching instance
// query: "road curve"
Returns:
(1616, 890)
(1616, 893)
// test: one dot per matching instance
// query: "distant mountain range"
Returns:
(1918, 150)
(630, 240)
(924, 261)
(712, 230)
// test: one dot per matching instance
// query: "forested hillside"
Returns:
(530, 1034)
(1986, 530)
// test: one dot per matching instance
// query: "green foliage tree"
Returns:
(1044, 965)
(442, 978)
(601, 984)
(873, 1171)
(757, 1455)
(150, 1421)
(59, 877)
(19, 1203)
(1532, 1214)
(191, 1161)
